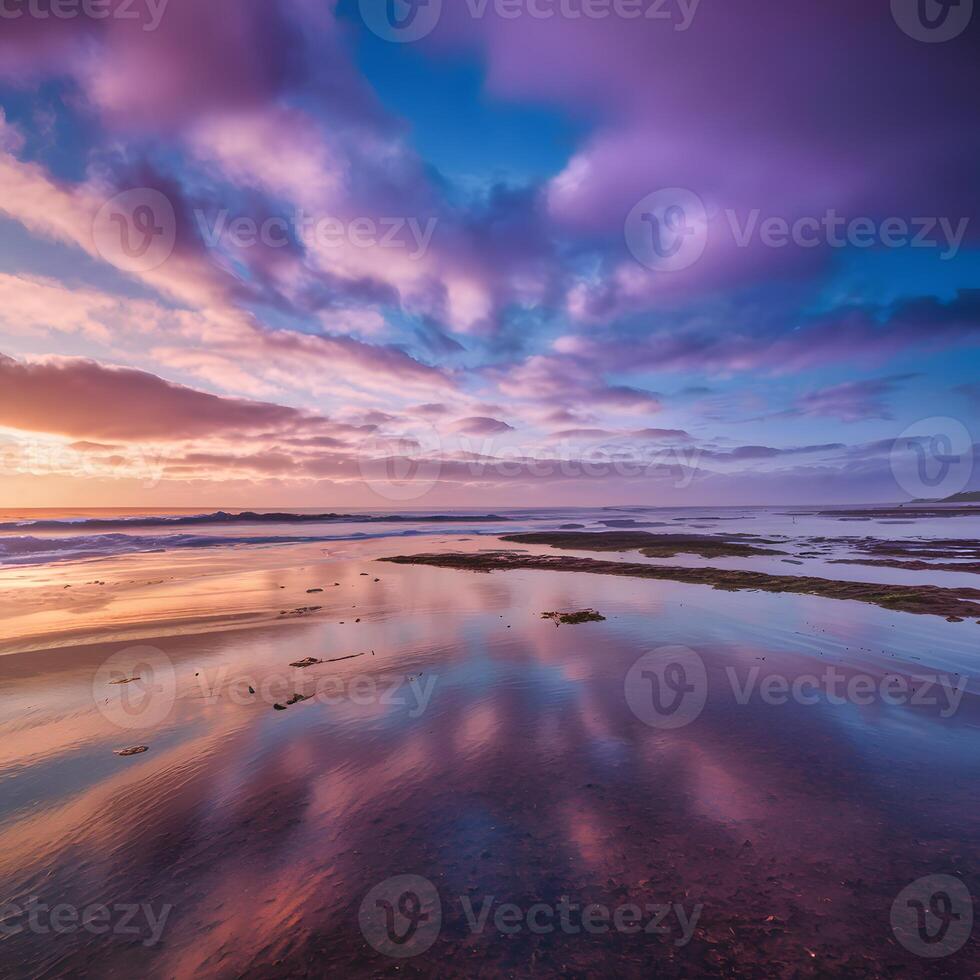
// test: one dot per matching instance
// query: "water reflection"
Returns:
(525, 777)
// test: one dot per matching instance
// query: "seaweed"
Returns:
(574, 618)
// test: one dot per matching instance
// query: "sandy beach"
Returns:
(440, 728)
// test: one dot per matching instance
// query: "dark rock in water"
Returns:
(136, 750)
(627, 523)
(297, 698)
(279, 707)
(574, 618)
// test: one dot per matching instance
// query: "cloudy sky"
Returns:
(663, 252)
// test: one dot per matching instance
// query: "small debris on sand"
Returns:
(136, 750)
(308, 662)
(127, 680)
(311, 591)
(279, 707)
(574, 618)
(297, 698)
(301, 611)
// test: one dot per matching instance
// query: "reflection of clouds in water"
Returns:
(263, 830)
(477, 731)
(583, 828)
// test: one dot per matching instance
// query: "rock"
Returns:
(308, 662)
(136, 750)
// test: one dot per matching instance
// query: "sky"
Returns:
(487, 253)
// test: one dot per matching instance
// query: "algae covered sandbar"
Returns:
(919, 599)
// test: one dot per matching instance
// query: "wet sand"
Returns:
(457, 736)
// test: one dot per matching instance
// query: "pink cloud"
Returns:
(481, 426)
(88, 400)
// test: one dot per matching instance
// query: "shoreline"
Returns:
(454, 695)
(127, 598)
